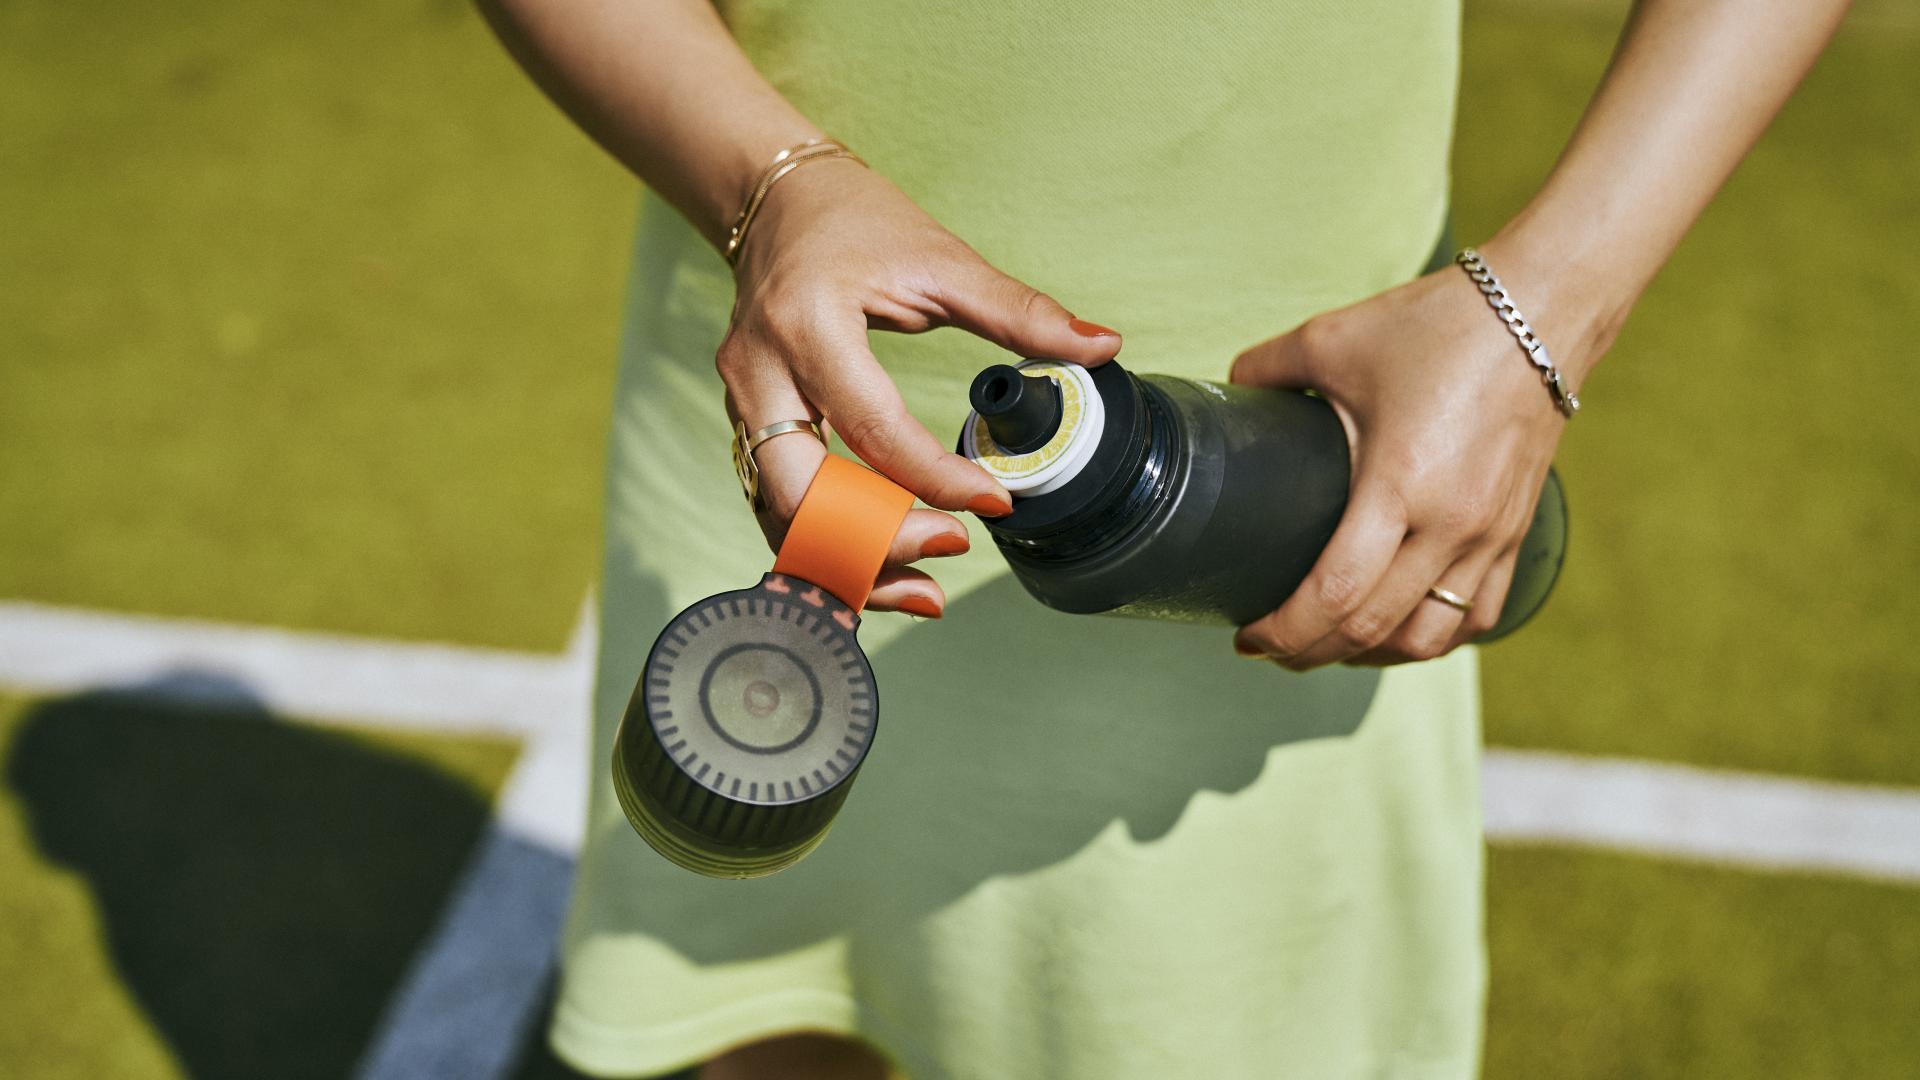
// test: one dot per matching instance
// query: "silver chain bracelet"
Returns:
(1536, 349)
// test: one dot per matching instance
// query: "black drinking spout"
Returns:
(1022, 411)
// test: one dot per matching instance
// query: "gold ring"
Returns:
(1450, 598)
(754, 440)
(744, 444)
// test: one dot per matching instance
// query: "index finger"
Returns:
(1363, 547)
(843, 379)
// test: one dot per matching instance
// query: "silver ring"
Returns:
(1450, 598)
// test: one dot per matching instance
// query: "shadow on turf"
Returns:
(261, 886)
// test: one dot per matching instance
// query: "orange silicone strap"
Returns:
(840, 535)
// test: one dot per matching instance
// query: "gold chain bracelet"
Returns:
(784, 162)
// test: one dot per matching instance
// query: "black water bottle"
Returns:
(1170, 498)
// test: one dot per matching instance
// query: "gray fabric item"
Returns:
(471, 998)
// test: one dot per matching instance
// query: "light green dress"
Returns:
(1081, 847)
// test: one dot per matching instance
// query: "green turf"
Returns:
(211, 893)
(308, 318)
(1613, 966)
(1742, 585)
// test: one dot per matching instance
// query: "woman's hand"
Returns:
(835, 251)
(1450, 427)
(1452, 431)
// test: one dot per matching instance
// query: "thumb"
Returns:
(1288, 362)
(1283, 362)
(1022, 319)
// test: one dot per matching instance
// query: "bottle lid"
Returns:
(756, 707)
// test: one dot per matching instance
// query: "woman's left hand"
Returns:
(1452, 431)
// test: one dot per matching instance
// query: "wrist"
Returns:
(1573, 299)
(737, 166)
(813, 157)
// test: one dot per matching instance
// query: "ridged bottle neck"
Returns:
(1143, 464)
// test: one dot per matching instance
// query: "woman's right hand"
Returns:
(835, 251)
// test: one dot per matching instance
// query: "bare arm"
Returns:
(663, 87)
(1691, 88)
(1452, 430)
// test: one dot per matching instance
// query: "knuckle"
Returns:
(1365, 628)
(1472, 513)
(1338, 591)
(1427, 645)
(867, 430)
(1321, 334)
(1033, 303)
(730, 358)
(787, 312)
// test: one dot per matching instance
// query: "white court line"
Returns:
(542, 698)
(1682, 812)
(292, 672)
(470, 996)
(1677, 811)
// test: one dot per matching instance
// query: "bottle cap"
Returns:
(756, 707)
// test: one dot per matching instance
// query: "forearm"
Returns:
(662, 85)
(1691, 87)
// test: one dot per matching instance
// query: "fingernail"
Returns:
(1248, 651)
(1089, 329)
(921, 606)
(990, 506)
(945, 544)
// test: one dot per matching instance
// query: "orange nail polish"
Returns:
(945, 544)
(921, 606)
(1088, 329)
(990, 506)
